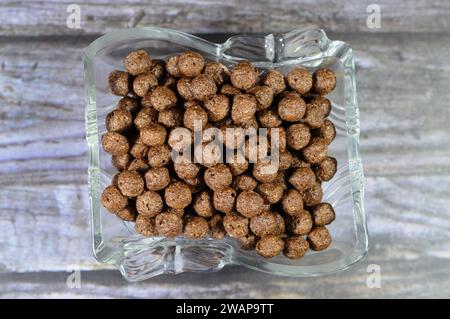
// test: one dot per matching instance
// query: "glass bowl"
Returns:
(116, 243)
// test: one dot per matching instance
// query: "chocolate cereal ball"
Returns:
(248, 242)
(249, 203)
(243, 108)
(269, 118)
(322, 214)
(265, 171)
(238, 167)
(292, 202)
(300, 223)
(130, 183)
(203, 87)
(313, 195)
(129, 104)
(302, 178)
(119, 120)
(217, 71)
(171, 118)
(153, 134)
(270, 246)
(327, 131)
(316, 151)
(177, 195)
(139, 149)
(113, 200)
(115, 143)
(275, 80)
(159, 156)
(264, 224)
(145, 116)
(119, 83)
(172, 66)
(190, 64)
(229, 90)
(314, 115)
(184, 89)
(138, 62)
(285, 160)
(162, 98)
(121, 162)
(144, 83)
(158, 69)
(218, 107)
(291, 109)
(324, 81)
(324, 105)
(295, 247)
(264, 96)
(193, 114)
(297, 136)
(224, 200)
(244, 75)
(300, 80)
(157, 178)
(218, 177)
(244, 183)
(326, 169)
(145, 226)
(270, 192)
(168, 224)
(196, 227)
(236, 225)
(281, 226)
(186, 169)
(128, 213)
(149, 204)
(298, 161)
(319, 238)
(203, 204)
(216, 229)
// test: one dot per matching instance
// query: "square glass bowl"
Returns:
(116, 243)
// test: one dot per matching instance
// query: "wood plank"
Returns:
(31, 18)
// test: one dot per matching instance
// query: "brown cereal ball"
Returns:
(121, 162)
(327, 131)
(113, 200)
(149, 204)
(264, 224)
(316, 151)
(229, 90)
(224, 200)
(218, 177)
(180, 139)
(184, 89)
(285, 159)
(300, 223)
(139, 149)
(326, 169)
(281, 225)
(195, 113)
(196, 227)
(243, 108)
(119, 83)
(264, 96)
(171, 118)
(297, 136)
(208, 155)
(298, 162)
(300, 80)
(269, 118)
(270, 246)
(129, 104)
(216, 229)
(172, 66)
(218, 107)
(203, 204)
(186, 169)
(190, 64)
(157, 179)
(313, 195)
(291, 109)
(292, 202)
(139, 164)
(145, 116)
(319, 238)
(159, 156)
(144, 83)
(314, 116)
(153, 134)
(137, 62)
(158, 69)
(168, 224)
(244, 183)
(128, 213)
(217, 71)
(244, 75)
(302, 178)
(281, 178)
(275, 80)
(324, 105)
(265, 171)
(270, 192)
(295, 247)
(278, 134)
(249, 203)
(238, 167)
(235, 225)
(162, 98)
(177, 195)
(322, 214)
(288, 94)
(248, 242)
(115, 143)
(145, 226)
(324, 81)
(203, 87)
(118, 120)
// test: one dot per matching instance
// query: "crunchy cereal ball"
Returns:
(281, 178)
(244, 183)
(229, 90)
(275, 80)
(177, 195)
(279, 140)
(171, 118)
(264, 224)
(295, 247)
(235, 225)
(144, 83)
(145, 116)
(145, 226)
(249, 203)
(115, 143)
(264, 96)
(300, 80)
(271, 192)
(137, 62)
(195, 113)
(285, 160)
(297, 136)
(203, 204)
(184, 89)
(238, 167)
(203, 87)
(121, 162)
(129, 104)
(113, 200)
(316, 151)
(216, 229)
(300, 223)
(243, 108)
(302, 178)
(313, 195)
(172, 66)
(291, 109)
(324, 81)
(190, 64)
(158, 69)
(128, 213)
(270, 246)
(218, 177)
(162, 98)
(281, 226)
(118, 120)
(269, 118)
(314, 116)
(139, 149)
(157, 179)
(324, 105)
(224, 200)
(196, 227)
(119, 83)
(326, 169)
(153, 134)
(149, 204)
(218, 107)
(217, 71)
(244, 75)
(327, 132)
(265, 171)
(179, 140)
(186, 169)
(248, 242)
(176, 211)
(159, 156)
(292, 202)
(322, 214)
(168, 224)
(139, 164)
(298, 162)
(319, 238)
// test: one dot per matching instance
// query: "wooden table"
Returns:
(403, 82)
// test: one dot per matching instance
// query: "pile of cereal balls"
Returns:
(273, 213)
